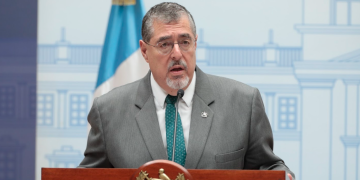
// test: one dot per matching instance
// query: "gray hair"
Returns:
(166, 12)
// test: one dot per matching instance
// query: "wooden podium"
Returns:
(156, 170)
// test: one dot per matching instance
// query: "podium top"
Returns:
(126, 174)
(157, 170)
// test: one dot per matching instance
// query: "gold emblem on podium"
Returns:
(123, 2)
(143, 175)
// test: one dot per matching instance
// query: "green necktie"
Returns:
(180, 150)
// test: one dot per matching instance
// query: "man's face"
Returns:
(176, 68)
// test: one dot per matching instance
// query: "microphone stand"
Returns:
(180, 94)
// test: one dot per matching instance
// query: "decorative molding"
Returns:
(353, 56)
(78, 132)
(350, 141)
(327, 29)
(278, 88)
(248, 70)
(70, 86)
(317, 83)
(67, 68)
(325, 71)
(352, 81)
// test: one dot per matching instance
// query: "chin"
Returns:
(178, 82)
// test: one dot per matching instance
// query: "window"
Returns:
(78, 109)
(346, 12)
(7, 164)
(287, 113)
(32, 102)
(45, 113)
(7, 101)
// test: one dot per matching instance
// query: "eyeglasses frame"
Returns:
(173, 44)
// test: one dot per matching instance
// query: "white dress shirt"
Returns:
(185, 107)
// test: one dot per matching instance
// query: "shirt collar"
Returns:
(160, 94)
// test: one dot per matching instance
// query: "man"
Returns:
(222, 122)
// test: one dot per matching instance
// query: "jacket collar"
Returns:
(202, 88)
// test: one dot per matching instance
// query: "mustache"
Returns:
(179, 62)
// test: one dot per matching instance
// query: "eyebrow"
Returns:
(187, 35)
(163, 38)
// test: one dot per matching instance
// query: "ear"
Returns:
(143, 50)
(196, 41)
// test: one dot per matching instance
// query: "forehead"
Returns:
(173, 29)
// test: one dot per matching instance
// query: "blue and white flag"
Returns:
(121, 59)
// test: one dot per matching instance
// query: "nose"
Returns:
(176, 53)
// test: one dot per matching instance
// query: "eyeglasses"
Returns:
(165, 47)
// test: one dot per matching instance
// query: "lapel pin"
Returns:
(204, 114)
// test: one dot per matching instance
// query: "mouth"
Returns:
(176, 68)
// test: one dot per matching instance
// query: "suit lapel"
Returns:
(199, 126)
(147, 120)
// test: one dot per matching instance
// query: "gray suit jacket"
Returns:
(236, 134)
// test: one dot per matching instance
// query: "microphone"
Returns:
(179, 95)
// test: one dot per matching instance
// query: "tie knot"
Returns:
(170, 99)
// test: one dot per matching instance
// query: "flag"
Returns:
(121, 59)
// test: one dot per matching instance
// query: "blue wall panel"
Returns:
(18, 43)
